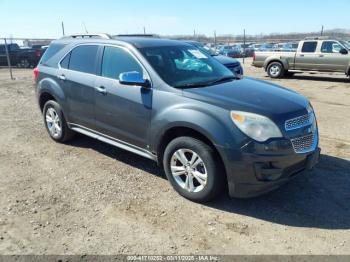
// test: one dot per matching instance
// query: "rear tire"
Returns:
(55, 122)
(193, 169)
(275, 70)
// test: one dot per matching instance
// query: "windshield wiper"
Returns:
(208, 83)
(223, 79)
(191, 85)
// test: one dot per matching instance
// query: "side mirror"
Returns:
(133, 79)
(343, 51)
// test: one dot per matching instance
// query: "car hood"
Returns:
(255, 96)
(226, 60)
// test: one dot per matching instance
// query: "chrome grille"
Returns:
(305, 143)
(299, 122)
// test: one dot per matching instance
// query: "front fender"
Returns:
(212, 122)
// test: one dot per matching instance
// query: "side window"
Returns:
(330, 47)
(116, 61)
(50, 52)
(65, 62)
(309, 47)
(83, 58)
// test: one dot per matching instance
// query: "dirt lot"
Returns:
(87, 197)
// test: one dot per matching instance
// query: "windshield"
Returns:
(185, 66)
(346, 44)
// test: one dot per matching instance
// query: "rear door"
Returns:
(77, 75)
(122, 112)
(306, 56)
(330, 58)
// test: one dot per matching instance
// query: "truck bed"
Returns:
(261, 57)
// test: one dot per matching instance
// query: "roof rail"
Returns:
(99, 35)
(136, 35)
(317, 38)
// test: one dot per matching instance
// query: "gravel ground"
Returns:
(87, 197)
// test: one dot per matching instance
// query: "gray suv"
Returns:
(168, 101)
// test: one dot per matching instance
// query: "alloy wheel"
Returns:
(188, 170)
(53, 122)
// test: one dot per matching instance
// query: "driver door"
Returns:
(330, 58)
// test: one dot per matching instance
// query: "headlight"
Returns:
(258, 127)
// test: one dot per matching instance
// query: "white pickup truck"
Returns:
(316, 54)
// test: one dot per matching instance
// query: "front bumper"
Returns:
(259, 168)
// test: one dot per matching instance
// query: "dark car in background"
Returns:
(230, 51)
(246, 50)
(233, 64)
(168, 101)
(23, 58)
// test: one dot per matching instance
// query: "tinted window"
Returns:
(330, 47)
(83, 59)
(116, 61)
(50, 52)
(65, 61)
(309, 47)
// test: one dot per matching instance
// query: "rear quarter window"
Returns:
(50, 52)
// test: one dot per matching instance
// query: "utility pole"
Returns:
(86, 31)
(144, 30)
(8, 59)
(322, 31)
(194, 34)
(62, 28)
(215, 38)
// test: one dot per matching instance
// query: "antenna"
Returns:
(86, 31)
(62, 24)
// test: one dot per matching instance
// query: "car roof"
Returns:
(138, 42)
(141, 42)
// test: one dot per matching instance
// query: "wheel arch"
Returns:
(49, 89)
(189, 131)
(43, 98)
(283, 62)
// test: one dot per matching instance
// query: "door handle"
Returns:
(301, 55)
(321, 55)
(101, 89)
(61, 77)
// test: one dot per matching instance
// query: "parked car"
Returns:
(233, 64)
(203, 125)
(24, 58)
(245, 50)
(286, 47)
(266, 47)
(230, 51)
(315, 54)
(256, 47)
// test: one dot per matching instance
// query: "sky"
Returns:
(42, 19)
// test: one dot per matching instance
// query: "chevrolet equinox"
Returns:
(168, 101)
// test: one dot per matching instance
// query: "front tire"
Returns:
(55, 122)
(275, 70)
(193, 169)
